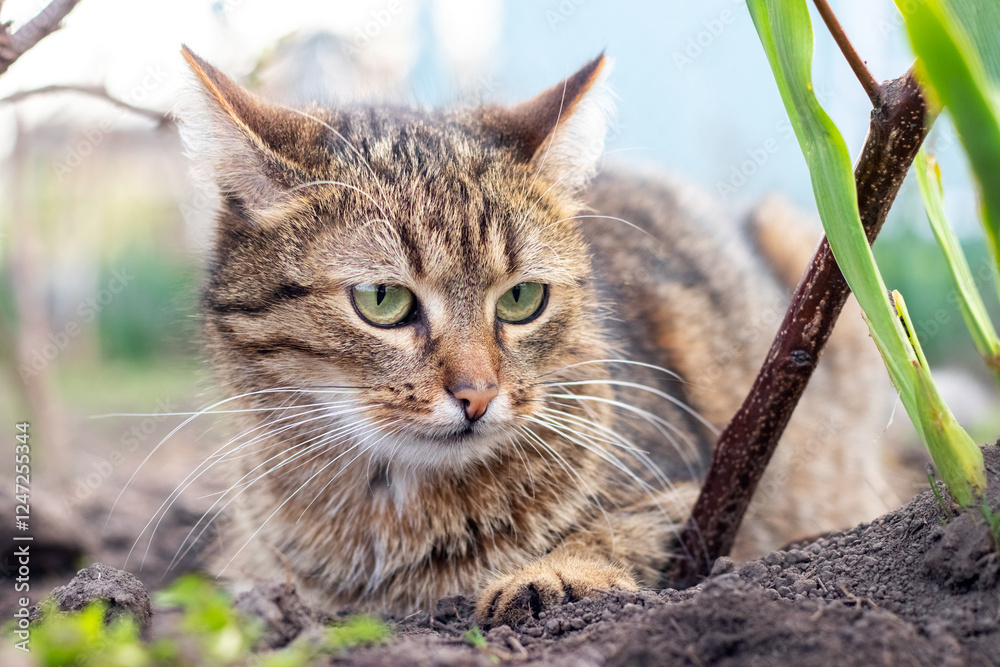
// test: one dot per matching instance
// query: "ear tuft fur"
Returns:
(252, 151)
(562, 129)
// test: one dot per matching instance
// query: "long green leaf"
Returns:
(981, 21)
(786, 34)
(949, 63)
(955, 453)
(977, 320)
(785, 31)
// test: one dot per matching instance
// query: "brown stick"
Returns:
(94, 91)
(899, 124)
(43, 24)
(868, 81)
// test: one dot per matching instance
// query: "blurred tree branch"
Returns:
(33, 322)
(161, 119)
(47, 21)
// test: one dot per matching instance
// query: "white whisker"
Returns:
(364, 160)
(364, 446)
(606, 217)
(346, 185)
(202, 468)
(629, 362)
(663, 426)
(304, 449)
(292, 495)
(611, 438)
(584, 488)
(587, 443)
(635, 385)
(182, 425)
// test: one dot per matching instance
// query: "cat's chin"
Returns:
(451, 452)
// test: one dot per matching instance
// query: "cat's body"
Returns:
(458, 351)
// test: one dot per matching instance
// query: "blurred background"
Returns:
(101, 233)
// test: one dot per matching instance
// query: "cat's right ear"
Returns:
(254, 152)
(561, 130)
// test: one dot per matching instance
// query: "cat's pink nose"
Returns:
(475, 400)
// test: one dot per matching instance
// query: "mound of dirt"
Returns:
(920, 586)
(123, 592)
(917, 586)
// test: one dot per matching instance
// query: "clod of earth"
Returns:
(123, 592)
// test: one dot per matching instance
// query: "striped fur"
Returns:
(360, 476)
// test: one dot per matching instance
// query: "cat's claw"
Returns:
(514, 598)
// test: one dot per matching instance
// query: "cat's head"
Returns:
(419, 274)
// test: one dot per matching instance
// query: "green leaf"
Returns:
(786, 34)
(951, 66)
(785, 31)
(474, 636)
(356, 631)
(981, 21)
(957, 457)
(971, 303)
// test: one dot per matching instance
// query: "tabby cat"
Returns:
(466, 362)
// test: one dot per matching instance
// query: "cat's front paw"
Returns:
(513, 598)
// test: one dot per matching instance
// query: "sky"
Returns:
(694, 92)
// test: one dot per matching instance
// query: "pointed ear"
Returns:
(253, 151)
(562, 129)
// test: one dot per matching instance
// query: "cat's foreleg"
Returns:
(570, 572)
(622, 549)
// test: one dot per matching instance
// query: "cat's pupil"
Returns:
(516, 293)
(380, 294)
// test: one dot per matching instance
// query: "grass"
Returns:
(992, 518)
(210, 632)
(474, 637)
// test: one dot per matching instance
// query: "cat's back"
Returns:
(687, 288)
(700, 291)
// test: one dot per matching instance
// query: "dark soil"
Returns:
(123, 592)
(919, 586)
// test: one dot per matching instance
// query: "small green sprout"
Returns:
(355, 631)
(992, 518)
(474, 636)
(210, 631)
(937, 494)
(219, 634)
(82, 637)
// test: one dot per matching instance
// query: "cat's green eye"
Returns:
(383, 305)
(522, 303)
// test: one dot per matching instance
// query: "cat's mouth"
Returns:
(461, 436)
(468, 437)
(465, 434)
(453, 448)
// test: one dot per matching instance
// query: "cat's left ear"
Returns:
(562, 129)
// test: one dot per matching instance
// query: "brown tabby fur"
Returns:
(388, 498)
